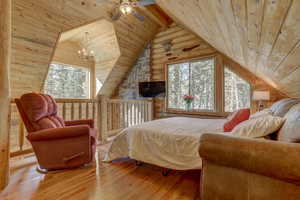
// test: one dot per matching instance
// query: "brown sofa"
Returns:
(237, 168)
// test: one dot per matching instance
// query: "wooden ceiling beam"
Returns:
(156, 14)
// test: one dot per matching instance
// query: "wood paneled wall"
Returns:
(36, 28)
(5, 56)
(132, 40)
(261, 35)
(187, 45)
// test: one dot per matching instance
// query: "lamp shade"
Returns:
(261, 95)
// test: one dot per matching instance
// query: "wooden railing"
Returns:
(117, 114)
(110, 116)
(68, 109)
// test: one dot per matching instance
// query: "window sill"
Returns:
(210, 114)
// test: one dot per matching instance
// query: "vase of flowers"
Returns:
(188, 101)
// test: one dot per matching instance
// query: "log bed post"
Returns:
(5, 48)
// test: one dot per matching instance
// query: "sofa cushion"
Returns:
(236, 118)
(290, 131)
(258, 127)
(280, 108)
(261, 113)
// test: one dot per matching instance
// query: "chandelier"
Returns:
(126, 7)
(84, 53)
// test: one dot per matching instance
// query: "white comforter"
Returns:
(172, 143)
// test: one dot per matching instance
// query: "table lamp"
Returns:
(260, 97)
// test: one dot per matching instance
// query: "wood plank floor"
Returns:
(121, 180)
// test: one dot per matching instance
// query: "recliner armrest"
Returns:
(88, 122)
(59, 133)
(276, 159)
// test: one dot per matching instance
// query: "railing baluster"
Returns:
(87, 110)
(146, 112)
(123, 115)
(142, 112)
(150, 111)
(109, 116)
(80, 111)
(130, 114)
(126, 115)
(72, 111)
(136, 113)
(94, 110)
(64, 111)
(21, 135)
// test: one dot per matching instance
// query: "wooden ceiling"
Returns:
(37, 25)
(103, 41)
(261, 35)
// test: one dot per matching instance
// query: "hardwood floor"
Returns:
(121, 180)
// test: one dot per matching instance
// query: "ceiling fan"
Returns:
(127, 7)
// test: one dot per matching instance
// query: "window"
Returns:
(65, 81)
(99, 85)
(196, 78)
(237, 92)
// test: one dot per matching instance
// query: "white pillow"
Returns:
(258, 127)
(261, 113)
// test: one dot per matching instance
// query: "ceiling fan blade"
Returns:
(138, 16)
(145, 2)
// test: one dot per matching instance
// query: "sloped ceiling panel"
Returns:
(261, 35)
(103, 41)
(37, 25)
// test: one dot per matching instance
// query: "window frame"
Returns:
(215, 111)
(220, 63)
(90, 81)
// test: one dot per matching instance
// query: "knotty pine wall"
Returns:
(262, 36)
(187, 45)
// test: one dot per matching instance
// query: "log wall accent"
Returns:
(5, 56)
(186, 45)
(38, 23)
(261, 35)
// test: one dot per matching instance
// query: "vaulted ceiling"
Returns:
(37, 25)
(261, 35)
(103, 41)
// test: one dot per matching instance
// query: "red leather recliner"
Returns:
(57, 144)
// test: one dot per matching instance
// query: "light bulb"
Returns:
(126, 8)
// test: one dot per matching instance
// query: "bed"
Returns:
(171, 143)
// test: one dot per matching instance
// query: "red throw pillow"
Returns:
(236, 118)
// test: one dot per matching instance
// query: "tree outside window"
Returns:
(196, 78)
(237, 92)
(66, 81)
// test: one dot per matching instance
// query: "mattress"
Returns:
(171, 143)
